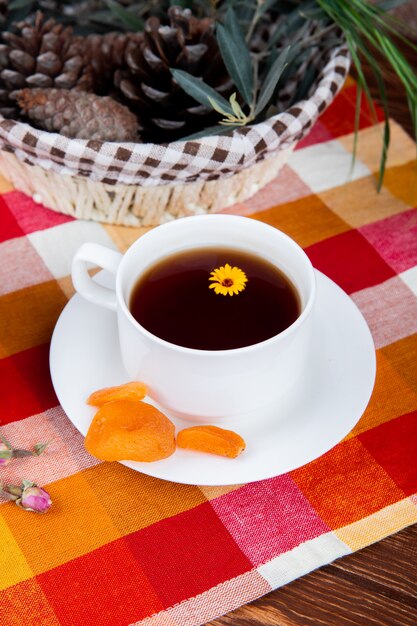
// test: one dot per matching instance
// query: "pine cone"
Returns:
(78, 115)
(3, 13)
(106, 53)
(76, 13)
(145, 82)
(44, 54)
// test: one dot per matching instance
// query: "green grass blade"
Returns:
(358, 107)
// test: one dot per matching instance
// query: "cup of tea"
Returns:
(214, 312)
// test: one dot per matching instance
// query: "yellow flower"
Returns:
(228, 280)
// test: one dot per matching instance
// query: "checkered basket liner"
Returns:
(134, 183)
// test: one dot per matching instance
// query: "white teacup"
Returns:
(204, 385)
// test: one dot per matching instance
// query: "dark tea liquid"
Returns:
(173, 301)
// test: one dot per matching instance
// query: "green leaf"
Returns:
(305, 84)
(267, 4)
(295, 20)
(272, 78)
(292, 23)
(6, 442)
(105, 17)
(126, 17)
(20, 454)
(14, 490)
(235, 106)
(217, 107)
(236, 56)
(244, 11)
(6, 454)
(19, 4)
(40, 448)
(210, 131)
(10, 496)
(284, 6)
(200, 91)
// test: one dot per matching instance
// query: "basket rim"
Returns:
(206, 158)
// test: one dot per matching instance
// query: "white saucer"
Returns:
(324, 408)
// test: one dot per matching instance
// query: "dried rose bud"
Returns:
(6, 454)
(34, 498)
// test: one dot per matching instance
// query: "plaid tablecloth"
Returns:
(118, 547)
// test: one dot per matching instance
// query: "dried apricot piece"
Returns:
(211, 439)
(130, 431)
(128, 391)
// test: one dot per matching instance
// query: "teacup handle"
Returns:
(87, 288)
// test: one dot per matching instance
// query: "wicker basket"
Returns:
(147, 184)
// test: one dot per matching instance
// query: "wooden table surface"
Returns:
(376, 586)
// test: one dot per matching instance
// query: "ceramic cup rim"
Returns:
(275, 339)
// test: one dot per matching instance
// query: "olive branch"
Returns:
(258, 76)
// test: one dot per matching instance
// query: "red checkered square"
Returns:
(21, 266)
(390, 310)
(268, 518)
(317, 134)
(394, 446)
(339, 118)
(346, 484)
(350, 260)
(31, 216)
(395, 239)
(187, 554)
(9, 228)
(286, 187)
(97, 590)
(26, 605)
(25, 384)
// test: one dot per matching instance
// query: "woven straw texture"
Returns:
(123, 182)
(120, 548)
